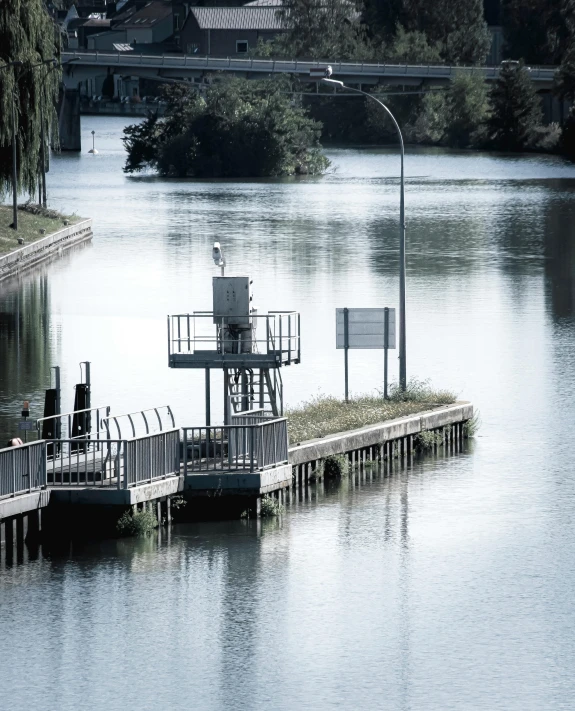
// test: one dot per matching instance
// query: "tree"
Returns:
(516, 109)
(410, 47)
(240, 128)
(468, 110)
(567, 142)
(322, 29)
(564, 85)
(538, 31)
(27, 35)
(458, 28)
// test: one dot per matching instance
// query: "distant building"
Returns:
(229, 31)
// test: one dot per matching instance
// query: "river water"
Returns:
(448, 586)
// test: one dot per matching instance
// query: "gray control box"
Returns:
(232, 300)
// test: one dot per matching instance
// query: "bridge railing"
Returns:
(247, 447)
(293, 66)
(22, 469)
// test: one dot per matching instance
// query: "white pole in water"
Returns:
(93, 149)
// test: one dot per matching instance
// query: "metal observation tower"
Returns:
(249, 347)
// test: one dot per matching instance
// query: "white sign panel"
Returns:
(366, 328)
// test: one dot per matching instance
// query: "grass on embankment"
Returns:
(31, 219)
(324, 415)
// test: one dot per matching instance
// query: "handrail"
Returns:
(130, 415)
(229, 448)
(23, 468)
(70, 417)
(280, 340)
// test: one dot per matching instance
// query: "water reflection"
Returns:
(26, 343)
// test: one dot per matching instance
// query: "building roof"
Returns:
(264, 3)
(148, 16)
(237, 18)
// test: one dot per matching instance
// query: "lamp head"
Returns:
(217, 255)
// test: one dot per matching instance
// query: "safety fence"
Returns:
(22, 469)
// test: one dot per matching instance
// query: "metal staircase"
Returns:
(259, 389)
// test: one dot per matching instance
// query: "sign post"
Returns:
(365, 329)
(346, 346)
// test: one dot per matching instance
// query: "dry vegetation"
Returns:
(324, 415)
(31, 219)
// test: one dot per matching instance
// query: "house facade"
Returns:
(229, 31)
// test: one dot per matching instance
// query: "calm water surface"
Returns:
(449, 586)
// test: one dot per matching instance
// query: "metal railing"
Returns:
(231, 448)
(152, 457)
(89, 423)
(276, 333)
(95, 463)
(155, 419)
(294, 66)
(119, 463)
(252, 417)
(22, 469)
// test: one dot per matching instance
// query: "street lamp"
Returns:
(402, 329)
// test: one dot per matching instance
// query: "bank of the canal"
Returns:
(41, 235)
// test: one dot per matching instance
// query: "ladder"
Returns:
(256, 389)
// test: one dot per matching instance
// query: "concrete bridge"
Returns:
(83, 66)
(84, 73)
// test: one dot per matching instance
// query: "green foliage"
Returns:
(336, 466)
(468, 110)
(27, 35)
(240, 128)
(139, 523)
(428, 440)
(410, 47)
(316, 29)
(538, 31)
(471, 426)
(567, 142)
(324, 415)
(270, 507)
(565, 77)
(431, 123)
(516, 109)
(457, 28)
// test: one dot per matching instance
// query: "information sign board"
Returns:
(365, 328)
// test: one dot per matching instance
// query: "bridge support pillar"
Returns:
(69, 120)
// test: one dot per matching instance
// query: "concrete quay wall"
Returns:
(29, 256)
(380, 433)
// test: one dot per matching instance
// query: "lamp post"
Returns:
(402, 329)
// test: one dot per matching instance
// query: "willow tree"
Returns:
(29, 83)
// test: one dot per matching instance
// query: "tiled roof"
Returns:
(148, 16)
(237, 18)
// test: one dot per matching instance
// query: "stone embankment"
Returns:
(29, 256)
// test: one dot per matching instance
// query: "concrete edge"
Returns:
(381, 432)
(27, 257)
(118, 497)
(23, 503)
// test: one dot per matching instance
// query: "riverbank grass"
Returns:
(324, 415)
(31, 219)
